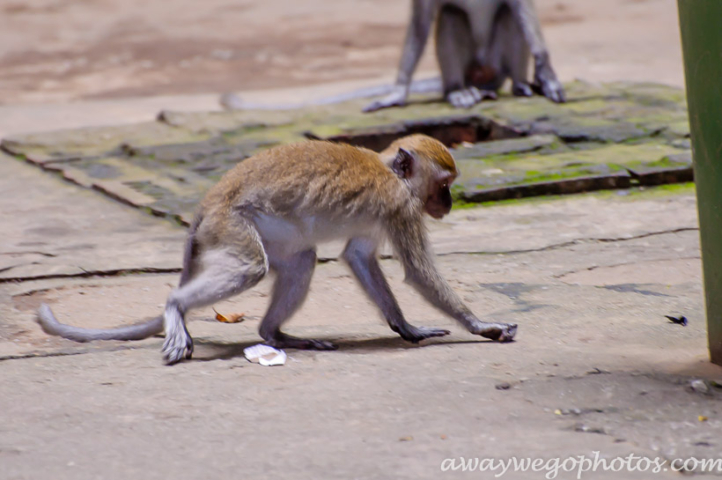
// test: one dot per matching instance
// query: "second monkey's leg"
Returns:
(360, 254)
(293, 277)
(455, 53)
(515, 53)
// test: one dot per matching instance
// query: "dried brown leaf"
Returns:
(229, 318)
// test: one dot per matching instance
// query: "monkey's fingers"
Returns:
(481, 95)
(552, 89)
(282, 340)
(522, 89)
(396, 98)
(381, 104)
(462, 98)
(500, 332)
(417, 334)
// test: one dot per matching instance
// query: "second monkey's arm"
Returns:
(545, 80)
(422, 16)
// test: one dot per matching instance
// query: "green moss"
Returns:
(460, 204)
(632, 194)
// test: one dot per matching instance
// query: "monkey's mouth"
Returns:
(437, 213)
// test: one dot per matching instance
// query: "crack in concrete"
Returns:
(594, 267)
(92, 273)
(136, 271)
(26, 356)
(30, 252)
(72, 353)
(571, 243)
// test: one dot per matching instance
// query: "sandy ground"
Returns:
(64, 50)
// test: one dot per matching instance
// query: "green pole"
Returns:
(701, 25)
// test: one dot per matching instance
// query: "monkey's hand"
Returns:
(500, 332)
(521, 89)
(396, 98)
(414, 334)
(468, 97)
(546, 83)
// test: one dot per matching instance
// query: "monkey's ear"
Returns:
(403, 163)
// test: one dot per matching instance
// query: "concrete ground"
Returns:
(596, 367)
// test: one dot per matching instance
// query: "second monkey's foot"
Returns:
(500, 332)
(521, 89)
(416, 334)
(281, 340)
(550, 88)
(396, 98)
(468, 97)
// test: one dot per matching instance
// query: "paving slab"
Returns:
(596, 367)
(51, 228)
(606, 137)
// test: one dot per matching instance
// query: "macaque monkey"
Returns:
(479, 44)
(270, 212)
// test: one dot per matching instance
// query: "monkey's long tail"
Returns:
(231, 101)
(50, 325)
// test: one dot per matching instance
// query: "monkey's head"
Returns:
(427, 167)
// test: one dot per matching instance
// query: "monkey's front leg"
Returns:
(360, 253)
(434, 288)
(545, 80)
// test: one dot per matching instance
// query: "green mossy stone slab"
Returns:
(509, 170)
(533, 143)
(84, 142)
(606, 136)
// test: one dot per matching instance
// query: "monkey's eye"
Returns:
(445, 185)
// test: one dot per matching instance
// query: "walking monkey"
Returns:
(479, 44)
(271, 210)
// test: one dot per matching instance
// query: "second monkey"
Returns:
(479, 44)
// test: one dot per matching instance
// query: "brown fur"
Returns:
(432, 150)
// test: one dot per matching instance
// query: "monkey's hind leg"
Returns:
(514, 52)
(293, 277)
(361, 256)
(455, 54)
(221, 273)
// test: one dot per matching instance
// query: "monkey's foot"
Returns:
(468, 97)
(500, 332)
(550, 88)
(177, 346)
(281, 340)
(416, 334)
(396, 98)
(521, 89)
